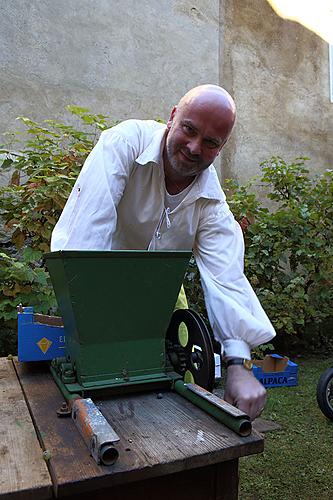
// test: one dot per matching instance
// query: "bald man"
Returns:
(154, 187)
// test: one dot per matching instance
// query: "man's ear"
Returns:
(172, 114)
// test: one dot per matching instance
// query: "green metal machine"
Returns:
(116, 307)
(123, 335)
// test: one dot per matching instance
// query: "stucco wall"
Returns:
(126, 58)
(129, 58)
(278, 73)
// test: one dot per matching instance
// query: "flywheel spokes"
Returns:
(189, 348)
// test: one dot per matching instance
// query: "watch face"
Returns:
(248, 364)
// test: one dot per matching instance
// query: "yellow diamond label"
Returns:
(44, 344)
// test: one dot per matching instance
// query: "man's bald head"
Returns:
(214, 103)
(198, 128)
(209, 94)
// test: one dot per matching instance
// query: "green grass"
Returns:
(298, 459)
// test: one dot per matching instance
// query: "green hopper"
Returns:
(116, 307)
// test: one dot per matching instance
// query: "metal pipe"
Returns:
(230, 416)
(92, 425)
(96, 431)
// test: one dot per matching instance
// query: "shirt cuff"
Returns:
(234, 348)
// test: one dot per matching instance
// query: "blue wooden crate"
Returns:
(38, 341)
(286, 378)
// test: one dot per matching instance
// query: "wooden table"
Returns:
(169, 449)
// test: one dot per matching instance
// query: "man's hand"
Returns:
(244, 391)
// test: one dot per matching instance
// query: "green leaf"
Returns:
(77, 110)
(7, 163)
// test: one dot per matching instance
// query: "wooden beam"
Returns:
(24, 473)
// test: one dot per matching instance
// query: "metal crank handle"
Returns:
(230, 416)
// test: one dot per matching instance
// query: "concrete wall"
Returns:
(278, 73)
(126, 58)
(129, 58)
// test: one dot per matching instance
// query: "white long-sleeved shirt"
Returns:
(117, 202)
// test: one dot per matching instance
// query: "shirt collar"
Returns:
(153, 152)
(208, 185)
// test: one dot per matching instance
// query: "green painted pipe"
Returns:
(230, 416)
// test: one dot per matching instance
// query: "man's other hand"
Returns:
(244, 391)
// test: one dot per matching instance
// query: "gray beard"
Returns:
(182, 171)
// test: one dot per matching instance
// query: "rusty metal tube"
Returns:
(95, 430)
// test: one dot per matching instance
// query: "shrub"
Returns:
(42, 175)
(22, 280)
(289, 249)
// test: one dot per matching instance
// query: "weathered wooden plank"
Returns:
(23, 472)
(261, 425)
(70, 462)
(158, 436)
(174, 434)
(71, 467)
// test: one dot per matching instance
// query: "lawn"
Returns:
(298, 459)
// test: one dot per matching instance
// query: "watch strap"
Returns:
(246, 363)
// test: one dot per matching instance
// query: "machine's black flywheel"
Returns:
(190, 349)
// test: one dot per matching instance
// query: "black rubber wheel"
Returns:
(325, 393)
(196, 355)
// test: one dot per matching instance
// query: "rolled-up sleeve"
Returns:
(89, 218)
(235, 313)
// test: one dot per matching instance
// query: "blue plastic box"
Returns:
(276, 371)
(38, 341)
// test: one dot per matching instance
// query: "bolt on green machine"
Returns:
(123, 335)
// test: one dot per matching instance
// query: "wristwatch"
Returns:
(246, 363)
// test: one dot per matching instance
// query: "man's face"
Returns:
(196, 134)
